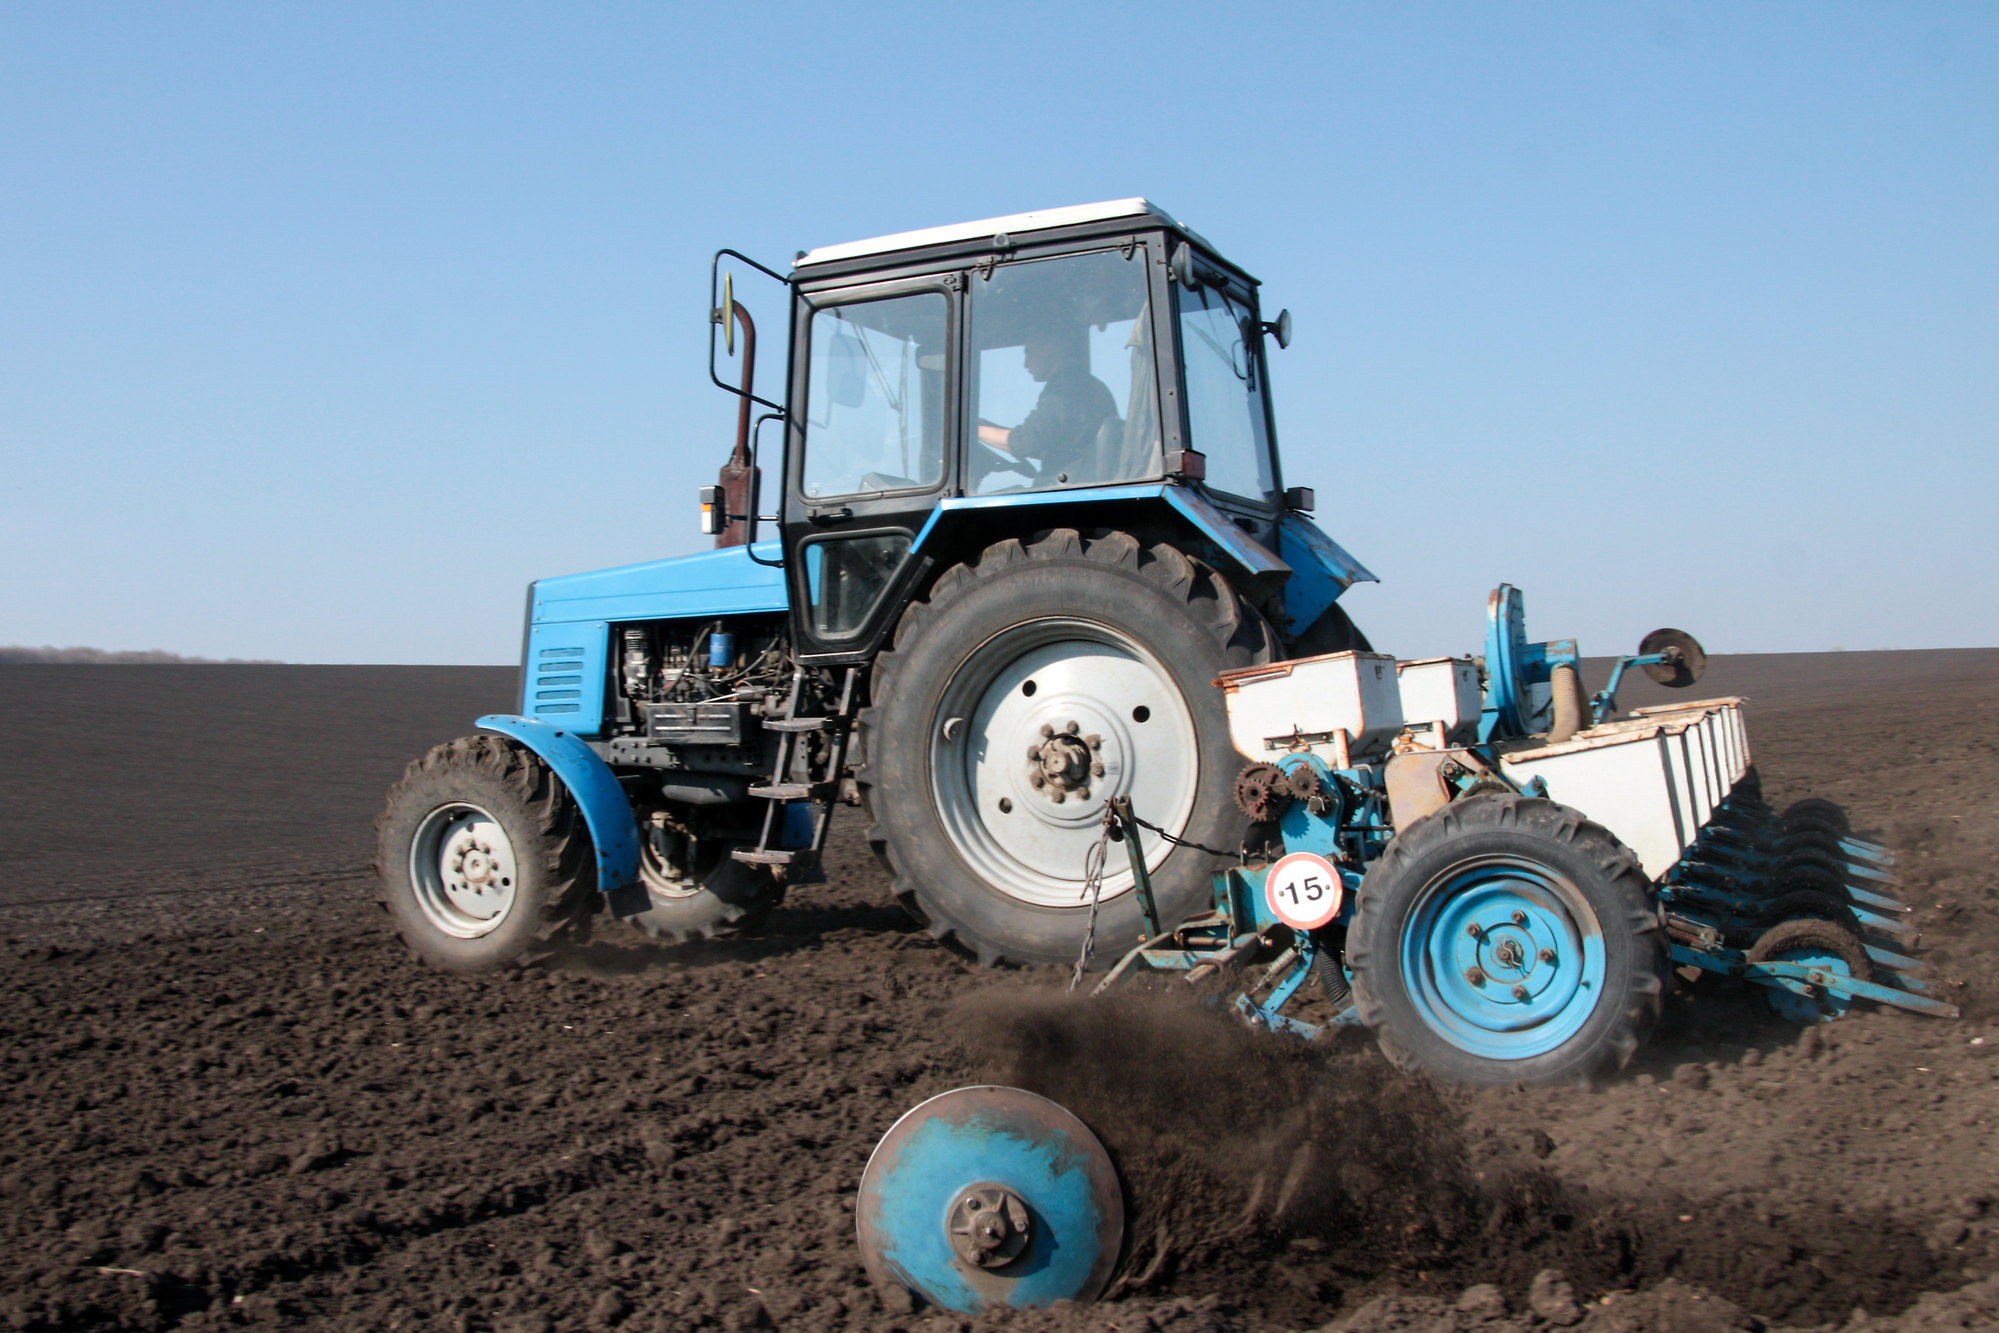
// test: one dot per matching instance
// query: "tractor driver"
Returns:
(1061, 432)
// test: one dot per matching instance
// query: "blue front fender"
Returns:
(613, 829)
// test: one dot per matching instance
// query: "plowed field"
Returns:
(229, 1099)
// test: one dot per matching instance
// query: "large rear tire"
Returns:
(1333, 632)
(1028, 687)
(1505, 939)
(481, 856)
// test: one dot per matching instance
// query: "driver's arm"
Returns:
(996, 436)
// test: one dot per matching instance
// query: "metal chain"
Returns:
(1186, 842)
(1093, 880)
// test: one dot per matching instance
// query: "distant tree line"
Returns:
(16, 654)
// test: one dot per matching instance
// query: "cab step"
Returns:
(796, 791)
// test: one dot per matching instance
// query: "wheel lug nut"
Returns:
(1473, 930)
(1047, 730)
(1547, 955)
(1034, 752)
(1094, 741)
(1096, 770)
(1073, 727)
(1082, 793)
(1060, 795)
(1519, 992)
(1519, 918)
(1036, 781)
(1475, 975)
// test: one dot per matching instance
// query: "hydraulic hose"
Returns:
(1571, 704)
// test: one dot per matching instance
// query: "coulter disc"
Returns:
(987, 1198)
(1674, 675)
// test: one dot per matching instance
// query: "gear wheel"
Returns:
(1262, 791)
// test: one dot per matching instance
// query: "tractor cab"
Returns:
(948, 385)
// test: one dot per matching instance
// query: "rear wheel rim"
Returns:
(663, 880)
(464, 871)
(1504, 958)
(1052, 673)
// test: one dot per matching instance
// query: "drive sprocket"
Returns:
(1262, 791)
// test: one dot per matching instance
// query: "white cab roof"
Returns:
(1039, 220)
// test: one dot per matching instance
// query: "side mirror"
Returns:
(847, 381)
(1280, 328)
(1182, 265)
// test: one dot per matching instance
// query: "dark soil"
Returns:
(229, 1099)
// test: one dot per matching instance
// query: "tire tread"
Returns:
(1598, 847)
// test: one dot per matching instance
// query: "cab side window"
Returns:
(1221, 357)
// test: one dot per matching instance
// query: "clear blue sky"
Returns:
(325, 328)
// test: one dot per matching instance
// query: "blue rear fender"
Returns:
(614, 831)
(1311, 567)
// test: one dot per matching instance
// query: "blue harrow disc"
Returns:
(1504, 959)
(990, 1197)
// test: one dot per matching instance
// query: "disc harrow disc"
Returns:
(990, 1197)
(1674, 675)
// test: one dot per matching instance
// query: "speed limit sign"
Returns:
(1304, 891)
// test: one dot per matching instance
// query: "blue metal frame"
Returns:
(614, 831)
(1513, 666)
(1604, 702)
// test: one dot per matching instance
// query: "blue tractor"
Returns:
(1026, 507)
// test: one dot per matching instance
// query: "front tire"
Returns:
(1028, 687)
(1506, 939)
(481, 856)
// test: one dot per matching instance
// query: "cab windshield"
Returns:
(1221, 357)
(1063, 386)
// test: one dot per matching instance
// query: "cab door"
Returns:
(870, 456)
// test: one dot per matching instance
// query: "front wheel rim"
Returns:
(1054, 673)
(463, 871)
(1504, 958)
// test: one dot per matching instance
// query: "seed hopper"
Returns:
(1492, 871)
